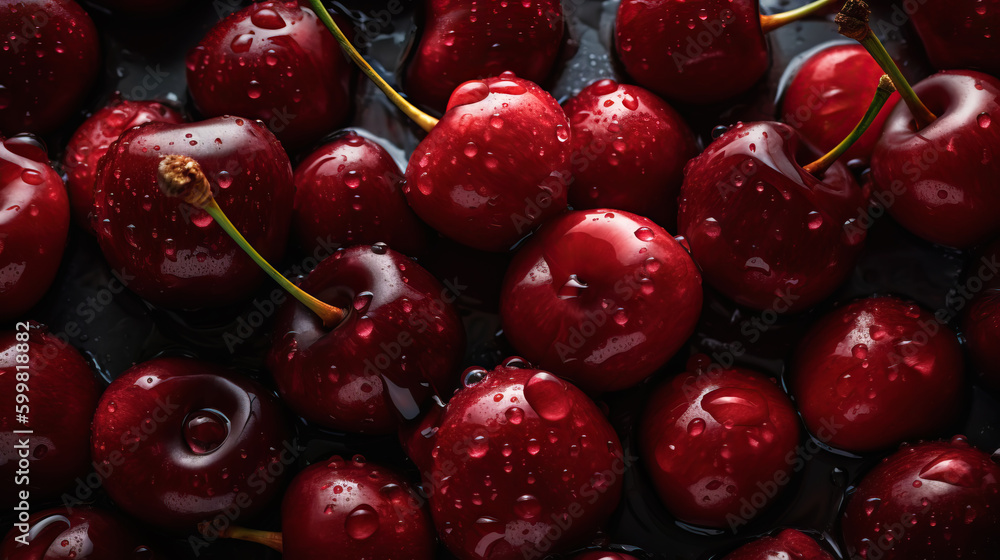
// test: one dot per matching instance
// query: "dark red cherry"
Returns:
(141, 8)
(941, 179)
(767, 233)
(878, 372)
(461, 41)
(520, 464)
(91, 141)
(629, 151)
(981, 320)
(959, 33)
(828, 96)
(349, 192)
(50, 57)
(399, 344)
(273, 61)
(932, 500)
(171, 253)
(182, 441)
(34, 223)
(62, 395)
(496, 166)
(604, 555)
(601, 297)
(78, 533)
(788, 544)
(716, 444)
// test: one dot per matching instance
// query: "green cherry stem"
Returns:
(266, 538)
(770, 23)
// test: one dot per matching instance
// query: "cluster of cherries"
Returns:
(578, 201)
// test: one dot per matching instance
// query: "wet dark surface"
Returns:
(116, 329)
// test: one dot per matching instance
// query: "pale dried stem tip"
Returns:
(852, 21)
(182, 177)
(885, 83)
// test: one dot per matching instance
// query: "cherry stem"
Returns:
(882, 94)
(422, 119)
(770, 23)
(853, 22)
(267, 538)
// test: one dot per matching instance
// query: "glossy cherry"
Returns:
(716, 445)
(63, 395)
(786, 544)
(175, 255)
(34, 223)
(629, 151)
(349, 192)
(80, 534)
(601, 297)
(981, 320)
(50, 57)
(399, 344)
(960, 34)
(932, 500)
(461, 41)
(519, 464)
(767, 233)
(275, 62)
(91, 141)
(878, 372)
(184, 441)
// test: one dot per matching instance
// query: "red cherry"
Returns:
(349, 192)
(515, 454)
(141, 8)
(459, 43)
(34, 223)
(400, 343)
(716, 444)
(878, 372)
(601, 297)
(91, 141)
(171, 253)
(767, 233)
(63, 395)
(786, 544)
(960, 33)
(182, 441)
(629, 151)
(50, 56)
(78, 533)
(272, 61)
(603, 555)
(981, 320)
(932, 500)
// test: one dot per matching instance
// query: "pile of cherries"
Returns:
(618, 304)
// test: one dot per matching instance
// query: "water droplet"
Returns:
(736, 406)
(644, 234)
(527, 507)
(267, 18)
(31, 177)
(814, 220)
(547, 394)
(479, 446)
(205, 430)
(362, 522)
(984, 120)
(696, 427)
(514, 415)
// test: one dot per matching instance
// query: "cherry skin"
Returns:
(63, 396)
(184, 441)
(513, 454)
(880, 371)
(932, 500)
(603, 555)
(359, 509)
(49, 59)
(91, 141)
(828, 96)
(459, 43)
(79, 533)
(399, 345)
(942, 178)
(786, 544)
(629, 151)
(981, 320)
(34, 223)
(495, 166)
(273, 61)
(349, 192)
(713, 440)
(600, 297)
(174, 255)
(141, 8)
(766, 233)
(960, 33)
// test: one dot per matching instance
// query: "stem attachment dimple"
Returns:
(772, 22)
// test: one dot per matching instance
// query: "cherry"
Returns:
(91, 141)
(349, 192)
(604, 555)
(181, 441)
(141, 8)
(716, 444)
(629, 151)
(176, 257)
(461, 42)
(601, 297)
(79, 533)
(34, 223)
(827, 95)
(877, 372)
(62, 394)
(960, 33)
(981, 320)
(49, 59)
(932, 500)
(272, 61)
(786, 544)
(518, 464)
